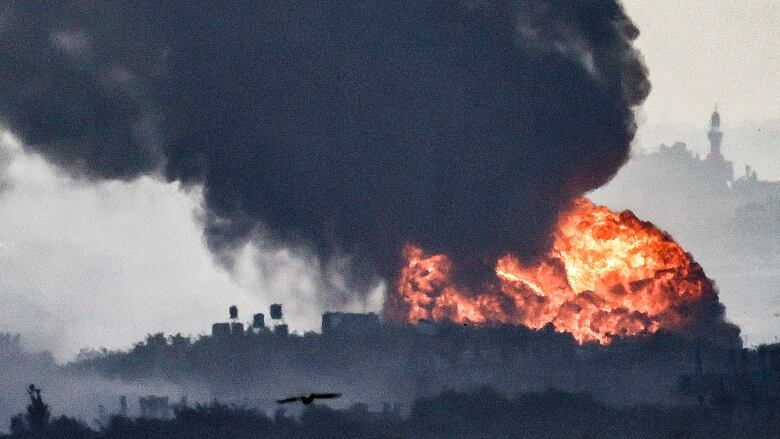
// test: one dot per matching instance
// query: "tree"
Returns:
(37, 412)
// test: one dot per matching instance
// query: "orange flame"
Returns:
(608, 274)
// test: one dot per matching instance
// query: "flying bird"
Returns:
(309, 398)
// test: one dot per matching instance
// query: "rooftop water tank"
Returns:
(276, 311)
(258, 321)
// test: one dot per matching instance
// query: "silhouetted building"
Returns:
(154, 407)
(237, 329)
(719, 170)
(220, 330)
(398, 361)
(281, 330)
(349, 322)
(749, 187)
(693, 197)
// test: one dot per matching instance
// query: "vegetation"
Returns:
(480, 413)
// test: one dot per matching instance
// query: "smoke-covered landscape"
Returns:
(454, 219)
(442, 381)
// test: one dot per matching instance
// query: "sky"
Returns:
(706, 53)
(70, 250)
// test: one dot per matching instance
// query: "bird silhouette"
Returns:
(308, 398)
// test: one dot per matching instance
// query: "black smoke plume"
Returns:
(347, 128)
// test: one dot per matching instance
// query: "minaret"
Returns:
(721, 171)
(716, 136)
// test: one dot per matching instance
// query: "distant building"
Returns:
(220, 330)
(713, 176)
(719, 171)
(351, 322)
(282, 330)
(154, 407)
(749, 187)
(714, 171)
(694, 197)
(237, 329)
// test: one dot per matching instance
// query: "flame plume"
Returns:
(608, 274)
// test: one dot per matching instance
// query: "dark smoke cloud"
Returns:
(345, 127)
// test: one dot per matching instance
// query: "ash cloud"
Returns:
(340, 127)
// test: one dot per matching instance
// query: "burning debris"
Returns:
(607, 274)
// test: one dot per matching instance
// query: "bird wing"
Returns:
(292, 399)
(325, 395)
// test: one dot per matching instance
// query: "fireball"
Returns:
(607, 274)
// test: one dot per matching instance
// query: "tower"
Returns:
(716, 136)
(720, 172)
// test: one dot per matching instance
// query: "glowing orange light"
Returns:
(607, 274)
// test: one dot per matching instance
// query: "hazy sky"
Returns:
(706, 51)
(69, 249)
(70, 252)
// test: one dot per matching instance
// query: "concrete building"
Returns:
(220, 330)
(351, 322)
